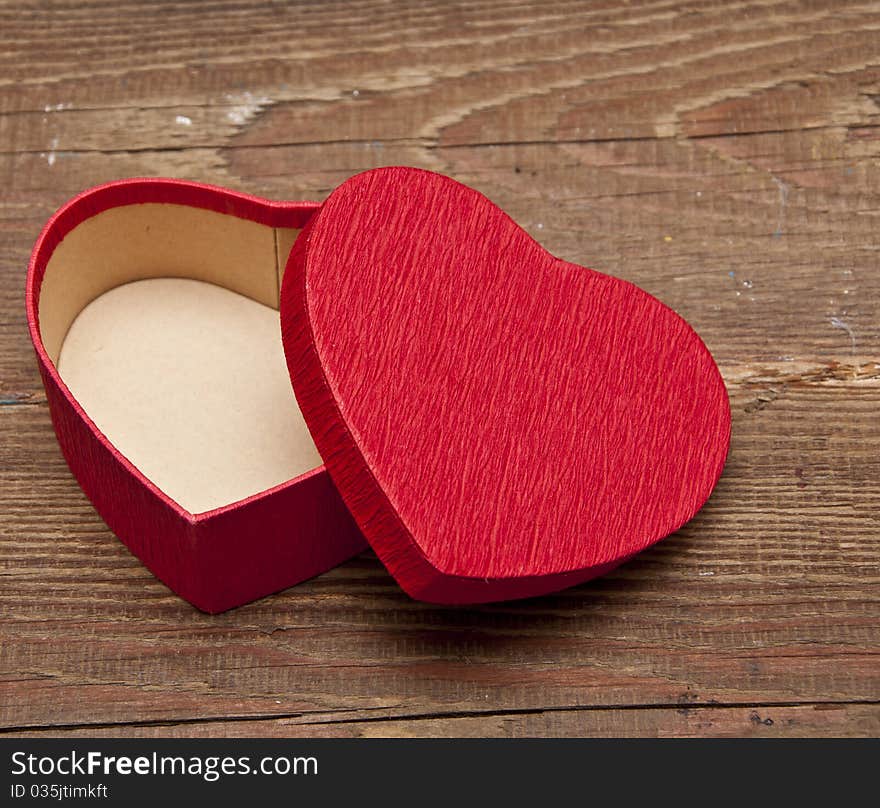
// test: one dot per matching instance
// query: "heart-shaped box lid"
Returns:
(500, 423)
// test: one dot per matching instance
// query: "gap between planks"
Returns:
(432, 144)
(358, 718)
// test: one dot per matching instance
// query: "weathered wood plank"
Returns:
(808, 295)
(750, 602)
(824, 720)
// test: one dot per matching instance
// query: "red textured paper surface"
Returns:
(501, 423)
(228, 556)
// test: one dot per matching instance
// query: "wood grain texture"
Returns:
(501, 423)
(722, 156)
(766, 721)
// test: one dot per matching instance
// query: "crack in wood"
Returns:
(439, 714)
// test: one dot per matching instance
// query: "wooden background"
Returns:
(724, 156)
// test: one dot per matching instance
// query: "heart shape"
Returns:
(230, 514)
(500, 422)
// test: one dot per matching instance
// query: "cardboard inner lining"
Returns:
(162, 321)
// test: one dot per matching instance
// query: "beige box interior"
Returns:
(163, 322)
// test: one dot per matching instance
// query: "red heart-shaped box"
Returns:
(96, 266)
(501, 423)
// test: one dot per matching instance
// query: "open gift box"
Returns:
(495, 422)
(153, 310)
